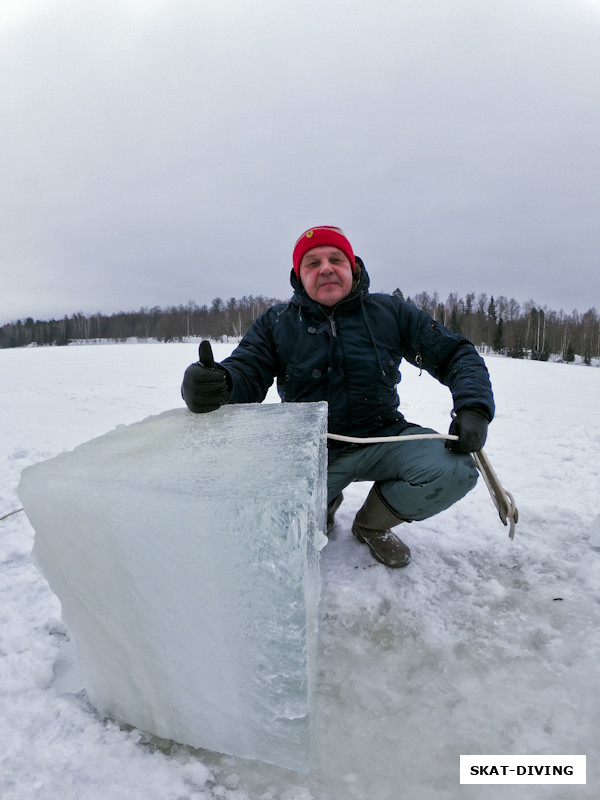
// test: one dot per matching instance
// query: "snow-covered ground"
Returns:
(481, 645)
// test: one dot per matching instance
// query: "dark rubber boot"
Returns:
(331, 509)
(372, 527)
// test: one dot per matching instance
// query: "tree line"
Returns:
(514, 329)
(506, 326)
(222, 318)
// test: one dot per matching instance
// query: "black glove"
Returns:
(204, 386)
(470, 425)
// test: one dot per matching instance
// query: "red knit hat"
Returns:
(318, 237)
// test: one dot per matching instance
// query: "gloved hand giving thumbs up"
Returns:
(204, 386)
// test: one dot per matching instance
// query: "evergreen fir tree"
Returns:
(454, 324)
(518, 350)
(498, 343)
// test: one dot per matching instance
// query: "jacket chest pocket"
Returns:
(307, 381)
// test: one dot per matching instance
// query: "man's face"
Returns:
(326, 275)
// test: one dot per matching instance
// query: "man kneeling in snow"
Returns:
(336, 341)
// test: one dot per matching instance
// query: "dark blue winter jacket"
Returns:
(349, 355)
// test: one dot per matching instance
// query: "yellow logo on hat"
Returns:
(309, 234)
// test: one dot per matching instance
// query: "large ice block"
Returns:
(184, 551)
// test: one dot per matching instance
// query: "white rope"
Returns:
(383, 439)
(503, 500)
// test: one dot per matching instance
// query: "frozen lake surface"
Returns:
(481, 645)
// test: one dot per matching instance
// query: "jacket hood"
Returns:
(360, 288)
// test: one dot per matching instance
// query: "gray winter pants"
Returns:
(416, 478)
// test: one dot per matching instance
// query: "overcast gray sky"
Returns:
(157, 151)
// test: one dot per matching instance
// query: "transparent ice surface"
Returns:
(184, 551)
(595, 532)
